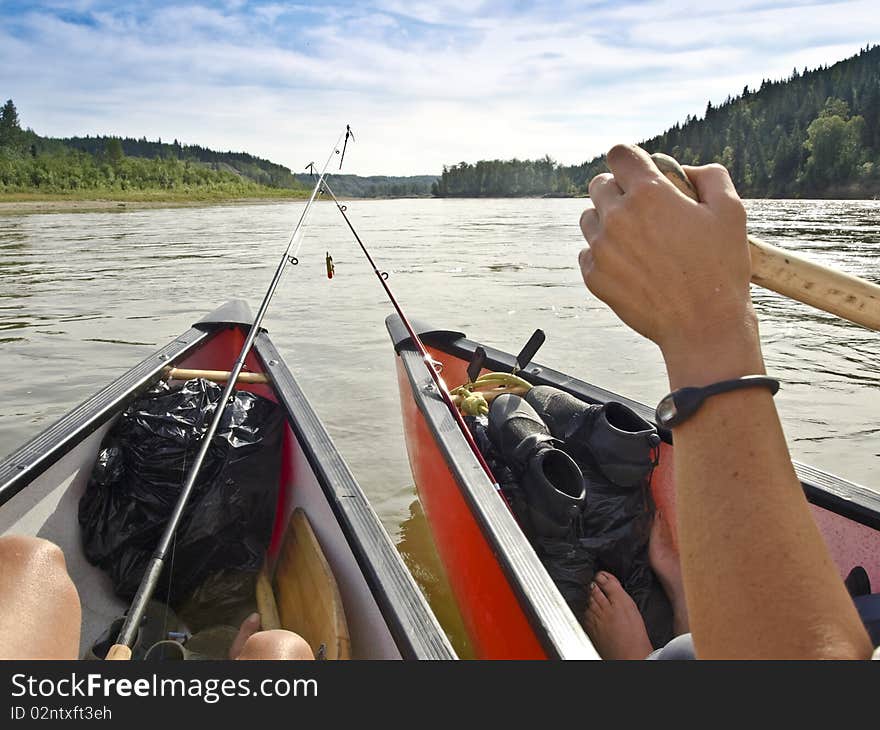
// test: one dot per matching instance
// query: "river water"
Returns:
(84, 296)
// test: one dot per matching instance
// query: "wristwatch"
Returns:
(681, 404)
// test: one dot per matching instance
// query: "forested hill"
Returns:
(130, 169)
(259, 170)
(127, 167)
(814, 134)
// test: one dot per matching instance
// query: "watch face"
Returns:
(666, 410)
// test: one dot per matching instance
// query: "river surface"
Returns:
(84, 296)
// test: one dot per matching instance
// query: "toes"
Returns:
(609, 586)
(589, 619)
(249, 627)
(598, 599)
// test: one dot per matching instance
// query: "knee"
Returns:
(36, 591)
(34, 560)
(23, 552)
(276, 644)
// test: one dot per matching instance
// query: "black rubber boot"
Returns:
(552, 482)
(621, 443)
(615, 449)
(553, 491)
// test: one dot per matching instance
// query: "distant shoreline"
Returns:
(23, 203)
(19, 204)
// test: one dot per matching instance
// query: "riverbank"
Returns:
(97, 201)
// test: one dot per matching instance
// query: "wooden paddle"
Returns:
(788, 274)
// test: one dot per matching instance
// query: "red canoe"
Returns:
(509, 604)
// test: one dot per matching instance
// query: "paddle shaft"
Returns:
(792, 276)
(430, 363)
(151, 576)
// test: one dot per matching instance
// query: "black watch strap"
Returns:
(681, 404)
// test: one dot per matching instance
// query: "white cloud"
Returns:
(423, 83)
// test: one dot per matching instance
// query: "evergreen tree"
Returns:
(10, 128)
(113, 150)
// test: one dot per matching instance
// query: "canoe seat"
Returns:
(306, 592)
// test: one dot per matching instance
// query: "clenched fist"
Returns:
(675, 270)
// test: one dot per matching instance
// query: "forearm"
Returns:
(758, 578)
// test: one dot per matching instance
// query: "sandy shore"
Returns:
(22, 207)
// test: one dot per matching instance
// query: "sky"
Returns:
(422, 83)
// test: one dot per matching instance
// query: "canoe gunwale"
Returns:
(27, 463)
(823, 489)
(412, 623)
(555, 627)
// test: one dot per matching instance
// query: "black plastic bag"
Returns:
(613, 536)
(616, 529)
(139, 474)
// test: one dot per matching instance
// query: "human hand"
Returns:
(675, 270)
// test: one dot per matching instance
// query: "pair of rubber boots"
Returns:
(540, 436)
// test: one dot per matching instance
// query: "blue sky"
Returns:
(421, 83)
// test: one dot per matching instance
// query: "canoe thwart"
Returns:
(215, 376)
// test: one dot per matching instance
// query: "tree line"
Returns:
(503, 178)
(30, 163)
(377, 186)
(254, 168)
(815, 133)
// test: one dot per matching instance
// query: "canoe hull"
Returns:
(508, 594)
(40, 486)
(495, 622)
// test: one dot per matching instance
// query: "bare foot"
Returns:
(251, 643)
(665, 562)
(613, 621)
(249, 627)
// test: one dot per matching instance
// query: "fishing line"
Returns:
(128, 633)
(432, 365)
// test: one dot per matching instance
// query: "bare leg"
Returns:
(664, 560)
(41, 613)
(251, 643)
(613, 621)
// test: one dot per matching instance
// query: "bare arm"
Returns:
(758, 579)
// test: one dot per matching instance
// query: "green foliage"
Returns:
(835, 145)
(11, 136)
(377, 186)
(74, 171)
(253, 168)
(816, 133)
(111, 165)
(113, 150)
(503, 178)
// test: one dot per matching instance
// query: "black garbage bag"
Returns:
(616, 528)
(139, 474)
(226, 597)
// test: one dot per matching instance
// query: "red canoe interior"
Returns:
(219, 353)
(497, 625)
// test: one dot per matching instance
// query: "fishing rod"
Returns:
(432, 365)
(129, 630)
